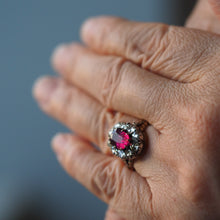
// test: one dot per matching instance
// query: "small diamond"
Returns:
(124, 126)
(117, 125)
(121, 154)
(129, 153)
(135, 135)
(109, 143)
(132, 129)
(110, 132)
(114, 151)
(136, 147)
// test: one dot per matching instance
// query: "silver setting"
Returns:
(136, 133)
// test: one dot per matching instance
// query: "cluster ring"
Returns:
(126, 140)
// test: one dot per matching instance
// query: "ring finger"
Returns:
(78, 111)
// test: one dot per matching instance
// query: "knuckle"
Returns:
(164, 44)
(154, 45)
(143, 41)
(112, 78)
(167, 45)
(105, 180)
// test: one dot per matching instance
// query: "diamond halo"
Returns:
(126, 140)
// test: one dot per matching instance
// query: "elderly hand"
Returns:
(164, 74)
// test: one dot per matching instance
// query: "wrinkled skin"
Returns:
(167, 75)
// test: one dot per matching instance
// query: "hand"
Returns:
(205, 16)
(167, 75)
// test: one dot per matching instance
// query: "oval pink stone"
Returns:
(120, 139)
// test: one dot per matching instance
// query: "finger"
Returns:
(156, 47)
(112, 215)
(106, 177)
(76, 110)
(118, 84)
(88, 118)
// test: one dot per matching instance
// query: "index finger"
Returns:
(174, 52)
(118, 84)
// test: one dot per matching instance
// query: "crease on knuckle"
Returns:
(157, 46)
(143, 42)
(166, 51)
(104, 179)
(169, 46)
(128, 188)
(112, 80)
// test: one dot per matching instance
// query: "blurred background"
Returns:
(32, 184)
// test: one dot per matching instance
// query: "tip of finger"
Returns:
(43, 87)
(88, 27)
(58, 140)
(59, 144)
(64, 55)
(58, 55)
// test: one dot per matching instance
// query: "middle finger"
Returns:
(117, 83)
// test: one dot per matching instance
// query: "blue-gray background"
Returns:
(32, 184)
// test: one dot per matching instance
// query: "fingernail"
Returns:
(43, 88)
(59, 144)
(59, 57)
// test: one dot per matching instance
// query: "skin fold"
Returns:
(127, 71)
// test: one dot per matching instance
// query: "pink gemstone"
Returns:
(120, 139)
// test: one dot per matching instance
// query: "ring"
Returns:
(126, 140)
